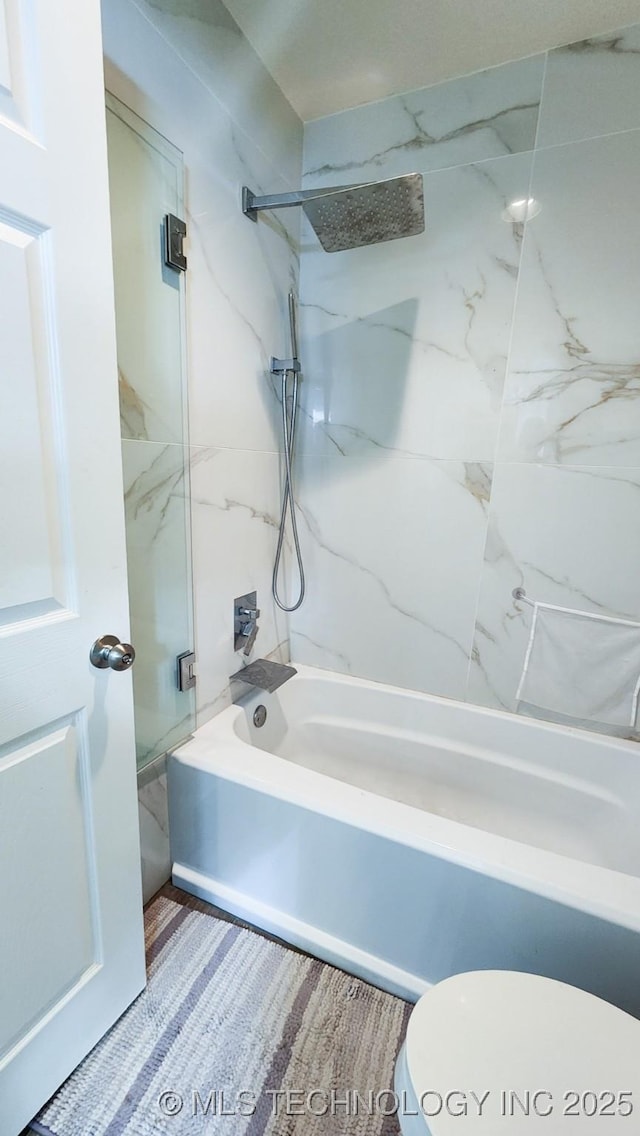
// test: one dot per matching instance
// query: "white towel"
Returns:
(582, 666)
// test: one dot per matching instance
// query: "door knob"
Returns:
(110, 652)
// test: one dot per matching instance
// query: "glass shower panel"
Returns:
(146, 180)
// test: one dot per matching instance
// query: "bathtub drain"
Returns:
(259, 715)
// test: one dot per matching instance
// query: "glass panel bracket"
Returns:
(185, 677)
(175, 231)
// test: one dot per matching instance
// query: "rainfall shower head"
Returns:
(368, 214)
(349, 216)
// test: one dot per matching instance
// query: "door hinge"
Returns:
(175, 231)
(185, 677)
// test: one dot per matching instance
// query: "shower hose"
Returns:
(289, 419)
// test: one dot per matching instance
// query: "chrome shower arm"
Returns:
(350, 216)
(252, 204)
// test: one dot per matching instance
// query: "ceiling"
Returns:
(328, 55)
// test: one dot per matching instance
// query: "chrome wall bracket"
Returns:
(248, 199)
(175, 231)
(252, 203)
(186, 680)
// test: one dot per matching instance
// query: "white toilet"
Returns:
(498, 1051)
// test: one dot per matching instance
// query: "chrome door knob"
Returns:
(110, 652)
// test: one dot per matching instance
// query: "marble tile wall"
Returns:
(153, 814)
(471, 403)
(186, 69)
(470, 396)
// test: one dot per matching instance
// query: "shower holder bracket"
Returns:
(279, 366)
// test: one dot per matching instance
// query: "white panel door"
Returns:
(71, 943)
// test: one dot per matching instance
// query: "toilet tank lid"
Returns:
(542, 1055)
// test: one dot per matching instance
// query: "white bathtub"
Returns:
(407, 838)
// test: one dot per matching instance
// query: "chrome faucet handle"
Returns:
(249, 614)
(250, 639)
(245, 622)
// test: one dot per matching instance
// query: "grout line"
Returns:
(584, 141)
(203, 447)
(541, 103)
(364, 455)
(517, 153)
(456, 165)
(516, 295)
(155, 442)
(514, 309)
(214, 448)
(512, 153)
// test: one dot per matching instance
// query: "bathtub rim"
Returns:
(216, 748)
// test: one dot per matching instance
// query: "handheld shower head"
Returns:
(349, 216)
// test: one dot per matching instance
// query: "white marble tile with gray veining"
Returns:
(147, 74)
(238, 278)
(393, 550)
(591, 88)
(158, 560)
(153, 814)
(235, 513)
(404, 349)
(208, 39)
(568, 536)
(144, 176)
(573, 389)
(237, 317)
(239, 272)
(486, 115)
(405, 343)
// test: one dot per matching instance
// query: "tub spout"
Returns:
(265, 674)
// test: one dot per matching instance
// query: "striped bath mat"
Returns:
(236, 1035)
